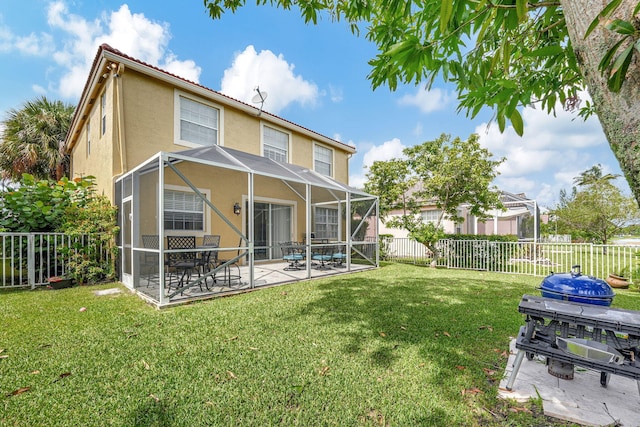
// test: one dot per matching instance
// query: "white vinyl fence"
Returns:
(29, 259)
(536, 259)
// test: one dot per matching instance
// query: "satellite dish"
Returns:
(259, 97)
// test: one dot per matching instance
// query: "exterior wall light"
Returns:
(236, 208)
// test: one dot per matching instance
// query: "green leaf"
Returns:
(620, 68)
(606, 60)
(501, 122)
(605, 12)
(545, 51)
(516, 122)
(446, 10)
(621, 27)
(521, 10)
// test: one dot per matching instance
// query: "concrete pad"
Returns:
(581, 400)
(110, 291)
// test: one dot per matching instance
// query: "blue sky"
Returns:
(315, 76)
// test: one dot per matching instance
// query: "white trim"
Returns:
(176, 118)
(279, 129)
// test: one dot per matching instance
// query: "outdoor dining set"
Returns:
(185, 259)
(323, 255)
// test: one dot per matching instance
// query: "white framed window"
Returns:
(323, 160)
(275, 144)
(431, 215)
(103, 113)
(326, 223)
(184, 210)
(197, 122)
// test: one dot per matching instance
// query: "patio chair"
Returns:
(338, 257)
(211, 240)
(323, 254)
(183, 262)
(227, 277)
(292, 254)
(208, 258)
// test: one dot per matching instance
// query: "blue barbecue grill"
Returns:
(576, 287)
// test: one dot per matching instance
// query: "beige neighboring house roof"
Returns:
(515, 204)
(107, 56)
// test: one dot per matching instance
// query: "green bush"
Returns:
(40, 205)
(92, 228)
(71, 207)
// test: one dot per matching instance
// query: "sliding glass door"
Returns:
(272, 225)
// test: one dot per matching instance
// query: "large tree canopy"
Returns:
(444, 173)
(505, 54)
(595, 210)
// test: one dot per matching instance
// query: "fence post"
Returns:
(535, 257)
(31, 260)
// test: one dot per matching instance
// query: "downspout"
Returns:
(119, 120)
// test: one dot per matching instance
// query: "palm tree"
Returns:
(32, 140)
(593, 175)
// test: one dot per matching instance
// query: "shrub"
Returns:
(71, 207)
(40, 205)
(92, 228)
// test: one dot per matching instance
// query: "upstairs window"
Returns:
(275, 144)
(323, 160)
(199, 122)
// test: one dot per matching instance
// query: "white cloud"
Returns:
(39, 89)
(552, 151)
(335, 94)
(273, 74)
(386, 151)
(32, 44)
(187, 69)
(426, 100)
(131, 33)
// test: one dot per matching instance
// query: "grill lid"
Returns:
(575, 283)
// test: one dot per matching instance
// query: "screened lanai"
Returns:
(214, 220)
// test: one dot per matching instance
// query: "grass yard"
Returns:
(399, 346)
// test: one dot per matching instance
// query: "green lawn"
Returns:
(399, 346)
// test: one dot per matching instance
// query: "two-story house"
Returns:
(179, 159)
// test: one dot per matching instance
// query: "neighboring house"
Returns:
(520, 218)
(229, 168)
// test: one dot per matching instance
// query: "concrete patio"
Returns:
(581, 400)
(265, 275)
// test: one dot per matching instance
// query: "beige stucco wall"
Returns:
(148, 120)
(100, 160)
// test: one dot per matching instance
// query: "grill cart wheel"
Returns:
(604, 378)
